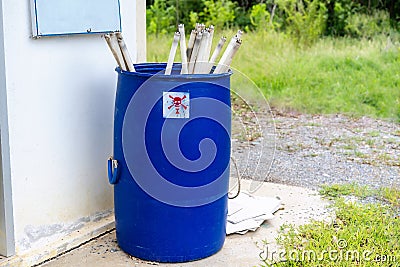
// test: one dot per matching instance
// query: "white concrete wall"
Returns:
(60, 97)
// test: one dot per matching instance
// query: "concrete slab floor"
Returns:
(300, 205)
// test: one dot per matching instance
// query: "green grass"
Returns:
(360, 235)
(337, 190)
(386, 194)
(355, 77)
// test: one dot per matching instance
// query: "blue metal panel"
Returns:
(59, 17)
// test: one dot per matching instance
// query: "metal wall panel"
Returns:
(61, 17)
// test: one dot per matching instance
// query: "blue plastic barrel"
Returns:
(172, 145)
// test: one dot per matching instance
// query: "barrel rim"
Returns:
(161, 66)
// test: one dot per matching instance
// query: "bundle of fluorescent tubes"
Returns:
(119, 50)
(196, 55)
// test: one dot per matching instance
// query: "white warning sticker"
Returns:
(176, 105)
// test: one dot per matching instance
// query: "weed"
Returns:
(360, 154)
(336, 190)
(361, 234)
(370, 142)
(374, 133)
(391, 195)
(387, 159)
(313, 124)
(349, 147)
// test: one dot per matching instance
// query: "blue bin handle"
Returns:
(113, 171)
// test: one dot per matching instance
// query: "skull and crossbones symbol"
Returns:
(177, 103)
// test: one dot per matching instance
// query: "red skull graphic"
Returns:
(177, 103)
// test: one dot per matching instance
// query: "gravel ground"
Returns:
(311, 150)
